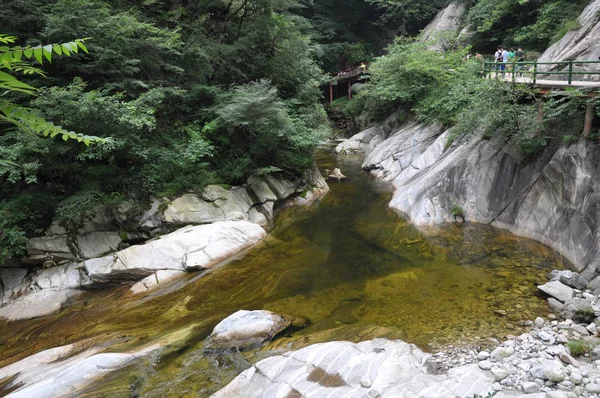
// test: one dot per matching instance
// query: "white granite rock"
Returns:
(245, 329)
(190, 248)
(557, 290)
(392, 368)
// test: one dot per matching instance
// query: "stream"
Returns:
(347, 268)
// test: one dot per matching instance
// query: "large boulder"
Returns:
(569, 278)
(190, 248)
(371, 368)
(254, 201)
(246, 329)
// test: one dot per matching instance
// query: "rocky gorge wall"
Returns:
(552, 199)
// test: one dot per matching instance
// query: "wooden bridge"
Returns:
(344, 81)
(548, 77)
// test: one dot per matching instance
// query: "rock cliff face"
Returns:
(552, 200)
(445, 26)
(579, 44)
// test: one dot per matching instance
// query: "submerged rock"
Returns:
(245, 329)
(336, 174)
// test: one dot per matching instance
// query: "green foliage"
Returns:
(259, 131)
(181, 91)
(488, 395)
(457, 211)
(15, 59)
(409, 71)
(126, 52)
(534, 24)
(578, 348)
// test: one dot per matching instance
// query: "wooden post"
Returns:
(534, 71)
(330, 93)
(589, 118)
(540, 117)
(349, 89)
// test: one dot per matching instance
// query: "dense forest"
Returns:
(173, 95)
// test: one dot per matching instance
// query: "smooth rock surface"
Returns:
(245, 329)
(154, 281)
(445, 26)
(579, 44)
(37, 304)
(557, 290)
(344, 369)
(551, 200)
(191, 248)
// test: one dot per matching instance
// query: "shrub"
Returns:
(578, 348)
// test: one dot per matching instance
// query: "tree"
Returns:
(14, 59)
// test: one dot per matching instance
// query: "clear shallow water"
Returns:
(348, 267)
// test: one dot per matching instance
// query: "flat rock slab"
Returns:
(190, 248)
(557, 290)
(343, 369)
(44, 302)
(245, 329)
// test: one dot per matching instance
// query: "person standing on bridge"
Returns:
(520, 56)
(505, 57)
(499, 60)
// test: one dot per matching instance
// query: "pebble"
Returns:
(483, 355)
(591, 328)
(485, 365)
(593, 388)
(530, 387)
(499, 373)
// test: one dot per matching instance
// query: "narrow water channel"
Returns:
(346, 268)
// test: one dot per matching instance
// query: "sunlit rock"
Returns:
(341, 368)
(191, 248)
(245, 329)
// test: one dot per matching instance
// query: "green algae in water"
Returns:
(348, 264)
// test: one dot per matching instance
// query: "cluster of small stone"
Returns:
(541, 361)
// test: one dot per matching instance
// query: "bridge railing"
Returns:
(531, 70)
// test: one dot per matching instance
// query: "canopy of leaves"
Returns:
(190, 93)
